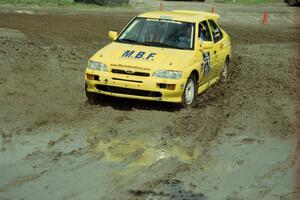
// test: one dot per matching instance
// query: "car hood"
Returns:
(143, 58)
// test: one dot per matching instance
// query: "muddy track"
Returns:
(138, 149)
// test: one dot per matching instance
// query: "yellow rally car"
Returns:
(162, 56)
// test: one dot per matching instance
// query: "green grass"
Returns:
(39, 2)
(54, 3)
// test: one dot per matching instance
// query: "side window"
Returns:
(204, 32)
(216, 32)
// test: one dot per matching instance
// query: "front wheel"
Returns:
(91, 97)
(190, 92)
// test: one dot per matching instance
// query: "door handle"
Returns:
(215, 52)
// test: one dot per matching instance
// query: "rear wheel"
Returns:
(190, 92)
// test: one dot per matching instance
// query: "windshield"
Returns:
(159, 33)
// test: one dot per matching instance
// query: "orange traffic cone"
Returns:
(265, 19)
(161, 6)
(213, 10)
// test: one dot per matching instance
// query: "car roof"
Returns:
(181, 15)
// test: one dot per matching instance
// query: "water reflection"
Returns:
(140, 152)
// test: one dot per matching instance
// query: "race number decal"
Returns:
(206, 63)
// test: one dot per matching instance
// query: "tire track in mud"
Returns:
(19, 181)
(203, 122)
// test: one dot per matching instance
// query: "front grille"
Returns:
(120, 71)
(120, 79)
(121, 90)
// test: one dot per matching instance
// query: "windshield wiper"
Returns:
(130, 41)
(159, 44)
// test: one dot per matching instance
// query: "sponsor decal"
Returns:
(132, 67)
(139, 55)
(206, 64)
(165, 17)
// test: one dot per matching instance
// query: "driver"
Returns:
(153, 32)
(184, 37)
(203, 33)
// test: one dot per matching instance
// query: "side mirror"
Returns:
(112, 35)
(206, 44)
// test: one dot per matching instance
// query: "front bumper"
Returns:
(135, 87)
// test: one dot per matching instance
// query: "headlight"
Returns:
(168, 74)
(97, 66)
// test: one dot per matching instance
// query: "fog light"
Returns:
(166, 86)
(171, 86)
(90, 76)
(96, 77)
(162, 85)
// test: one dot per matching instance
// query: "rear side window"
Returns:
(216, 32)
(204, 32)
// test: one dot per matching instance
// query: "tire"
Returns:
(292, 2)
(224, 74)
(91, 97)
(104, 2)
(190, 92)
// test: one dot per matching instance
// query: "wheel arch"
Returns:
(227, 59)
(196, 74)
